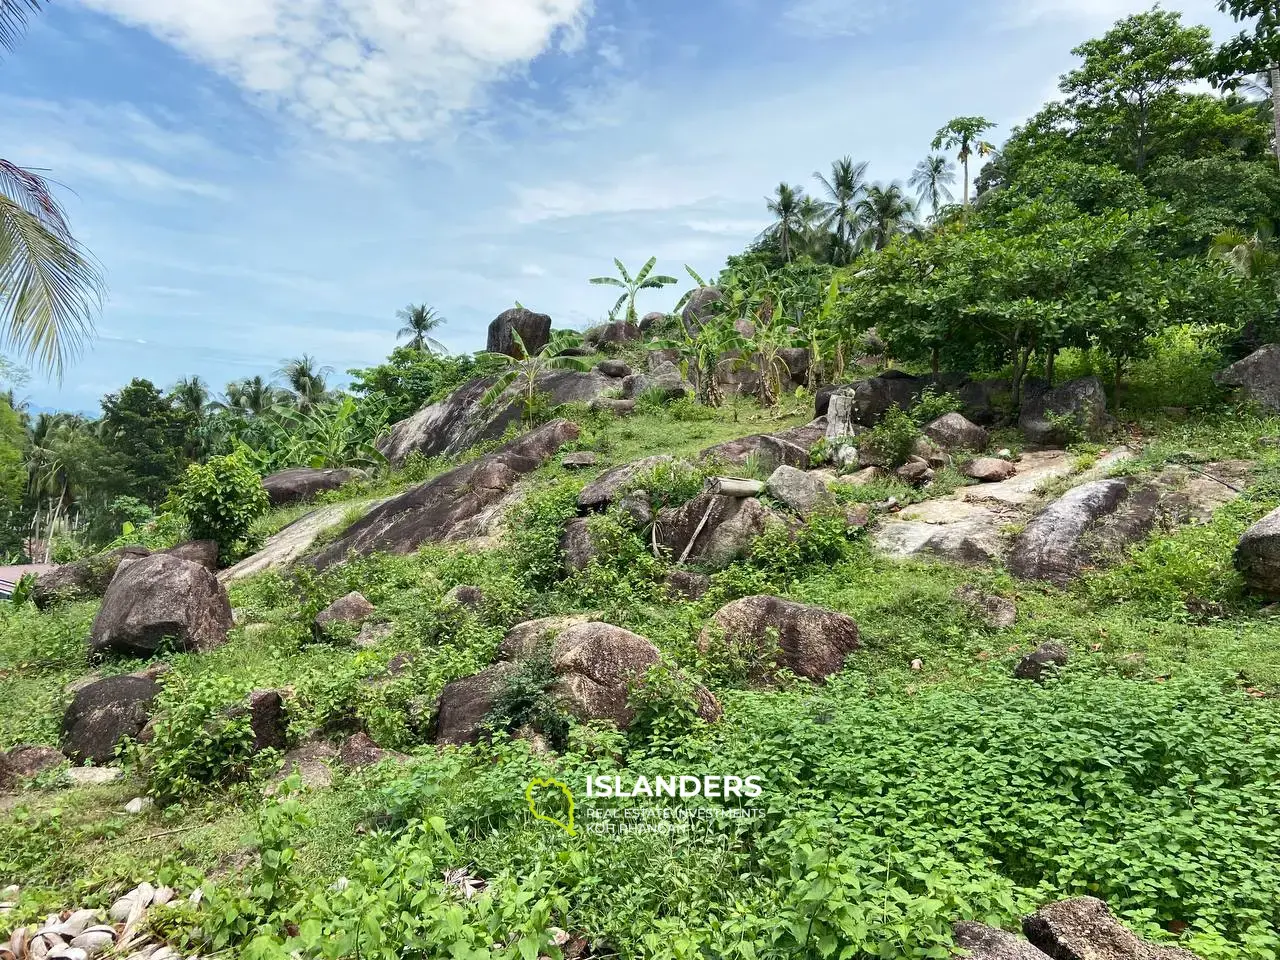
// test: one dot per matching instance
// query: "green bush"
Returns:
(891, 440)
(220, 501)
(933, 405)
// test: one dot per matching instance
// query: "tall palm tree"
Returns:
(305, 381)
(844, 189)
(192, 395)
(631, 286)
(964, 134)
(785, 206)
(932, 181)
(419, 320)
(50, 288)
(252, 396)
(812, 225)
(886, 212)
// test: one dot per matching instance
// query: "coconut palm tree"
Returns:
(964, 134)
(252, 396)
(50, 288)
(631, 286)
(419, 320)
(305, 381)
(523, 372)
(932, 181)
(885, 212)
(785, 206)
(844, 189)
(192, 395)
(813, 233)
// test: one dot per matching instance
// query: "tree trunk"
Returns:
(1275, 105)
(1048, 364)
(1021, 357)
(933, 361)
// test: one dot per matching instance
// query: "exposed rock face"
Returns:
(85, 579)
(104, 713)
(687, 584)
(459, 422)
(303, 483)
(162, 598)
(580, 460)
(915, 472)
(949, 529)
(429, 512)
(353, 608)
(954, 431)
(524, 639)
(534, 330)
(996, 612)
(594, 665)
(639, 507)
(989, 470)
(1084, 929)
(611, 335)
(576, 545)
(293, 541)
(986, 402)
(1257, 375)
(608, 487)
(804, 493)
(1084, 401)
(359, 751)
(652, 321)
(666, 379)
(768, 451)
(614, 368)
(731, 525)
(619, 408)
(988, 943)
(30, 760)
(812, 642)
(701, 307)
(1043, 658)
(865, 403)
(464, 704)
(267, 719)
(1258, 556)
(203, 552)
(1049, 548)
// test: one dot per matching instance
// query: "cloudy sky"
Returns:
(262, 178)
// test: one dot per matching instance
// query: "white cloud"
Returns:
(533, 270)
(831, 18)
(363, 69)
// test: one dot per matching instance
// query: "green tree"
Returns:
(524, 373)
(932, 179)
(419, 321)
(50, 288)
(845, 187)
(409, 380)
(220, 501)
(1252, 53)
(254, 396)
(631, 286)
(143, 436)
(964, 135)
(885, 212)
(784, 205)
(305, 381)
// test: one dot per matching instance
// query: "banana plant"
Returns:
(631, 286)
(523, 372)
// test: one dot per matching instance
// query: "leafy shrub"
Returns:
(672, 483)
(220, 501)
(891, 440)
(535, 528)
(933, 405)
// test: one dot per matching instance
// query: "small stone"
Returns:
(579, 461)
(989, 469)
(372, 634)
(138, 804)
(463, 596)
(917, 664)
(1045, 657)
(93, 776)
(915, 472)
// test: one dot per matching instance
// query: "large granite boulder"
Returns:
(665, 378)
(608, 336)
(955, 530)
(651, 322)
(804, 493)
(1050, 547)
(989, 470)
(464, 704)
(576, 545)
(1084, 929)
(105, 712)
(28, 760)
(202, 552)
(712, 529)
(430, 512)
(610, 486)
(812, 642)
(865, 403)
(1050, 417)
(1258, 556)
(85, 579)
(161, 598)
(351, 609)
(954, 431)
(534, 330)
(766, 451)
(1257, 376)
(459, 421)
(701, 307)
(304, 483)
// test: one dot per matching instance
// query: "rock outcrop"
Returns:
(700, 307)
(464, 704)
(1042, 659)
(351, 609)
(157, 599)
(576, 545)
(766, 451)
(430, 512)
(803, 493)
(1084, 929)
(202, 552)
(812, 642)
(1257, 376)
(105, 712)
(1077, 409)
(304, 483)
(988, 943)
(1050, 546)
(609, 335)
(295, 540)
(712, 529)
(953, 431)
(665, 380)
(534, 330)
(85, 579)
(1258, 556)
(609, 487)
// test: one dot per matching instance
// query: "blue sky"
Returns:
(262, 178)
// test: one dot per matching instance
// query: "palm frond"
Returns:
(13, 20)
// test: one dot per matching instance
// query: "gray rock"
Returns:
(1257, 375)
(1044, 657)
(915, 472)
(666, 380)
(267, 719)
(372, 634)
(954, 530)
(85, 579)
(1258, 556)
(989, 470)
(687, 584)
(304, 483)
(638, 507)
(954, 431)
(293, 542)
(353, 608)
(534, 330)
(996, 612)
(609, 486)
(30, 760)
(311, 762)
(987, 943)
(464, 595)
(464, 704)
(430, 512)
(1084, 929)
(92, 776)
(767, 451)
(812, 642)
(359, 751)
(579, 460)
(701, 307)
(730, 527)
(524, 639)
(161, 598)
(106, 712)
(613, 334)
(652, 321)
(619, 408)
(614, 368)
(576, 545)
(1084, 401)
(203, 552)
(1050, 548)
(802, 492)
(869, 400)
(654, 359)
